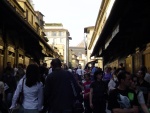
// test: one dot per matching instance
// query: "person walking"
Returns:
(98, 92)
(80, 72)
(142, 105)
(58, 91)
(86, 93)
(9, 86)
(20, 72)
(8, 67)
(144, 86)
(3, 106)
(93, 70)
(122, 99)
(32, 91)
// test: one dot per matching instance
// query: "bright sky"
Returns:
(75, 15)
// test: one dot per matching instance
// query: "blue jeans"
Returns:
(63, 111)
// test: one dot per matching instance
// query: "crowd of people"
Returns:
(60, 89)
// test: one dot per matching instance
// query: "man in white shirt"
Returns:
(80, 72)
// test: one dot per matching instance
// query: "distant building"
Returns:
(79, 51)
(75, 61)
(58, 37)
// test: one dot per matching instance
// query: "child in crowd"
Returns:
(86, 93)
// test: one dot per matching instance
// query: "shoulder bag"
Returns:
(21, 95)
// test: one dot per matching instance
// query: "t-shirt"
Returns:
(93, 70)
(140, 97)
(122, 99)
(86, 88)
(147, 77)
(107, 76)
(145, 88)
(79, 72)
(112, 84)
(99, 91)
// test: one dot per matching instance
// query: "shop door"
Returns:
(147, 61)
(1, 63)
(128, 64)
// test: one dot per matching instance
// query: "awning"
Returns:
(114, 16)
(132, 18)
(14, 22)
(21, 33)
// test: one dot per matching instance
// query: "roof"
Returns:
(81, 44)
(86, 28)
(39, 12)
(55, 30)
(53, 24)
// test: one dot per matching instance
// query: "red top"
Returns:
(86, 89)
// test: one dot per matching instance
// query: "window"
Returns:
(32, 19)
(50, 41)
(54, 33)
(58, 41)
(27, 15)
(60, 33)
(61, 40)
(55, 41)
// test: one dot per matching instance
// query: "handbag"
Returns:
(77, 105)
(21, 95)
